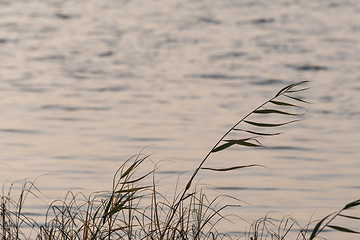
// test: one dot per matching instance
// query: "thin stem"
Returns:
(206, 157)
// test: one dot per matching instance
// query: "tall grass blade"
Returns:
(298, 90)
(128, 170)
(243, 142)
(287, 88)
(268, 111)
(232, 168)
(222, 147)
(317, 227)
(257, 133)
(343, 229)
(352, 204)
(281, 103)
(258, 124)
(348, 216)
(295, 98)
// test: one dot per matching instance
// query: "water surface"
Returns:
(86, 84)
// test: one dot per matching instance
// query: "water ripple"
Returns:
(215, 76)
(73, 108)
(307, 67)
(262, 189)
(268, 82)
(20, 131)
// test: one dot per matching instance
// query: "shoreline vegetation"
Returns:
(135, 209)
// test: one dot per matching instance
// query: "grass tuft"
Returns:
(135, 209)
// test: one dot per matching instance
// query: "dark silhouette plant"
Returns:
(278, 105)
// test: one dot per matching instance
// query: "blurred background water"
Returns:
(84, 85)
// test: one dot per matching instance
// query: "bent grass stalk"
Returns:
(285, 92)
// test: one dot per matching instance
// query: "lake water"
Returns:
(84, 85)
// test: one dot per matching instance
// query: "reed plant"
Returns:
(13, 220)
(134, 208)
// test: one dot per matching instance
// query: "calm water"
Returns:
(86, 84)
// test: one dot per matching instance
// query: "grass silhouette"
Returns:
(135, 209)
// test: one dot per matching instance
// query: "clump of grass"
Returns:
(121, 214)
(134, 209)
(101, 215)
(326, 222)
(13, 221)
(271, 228)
